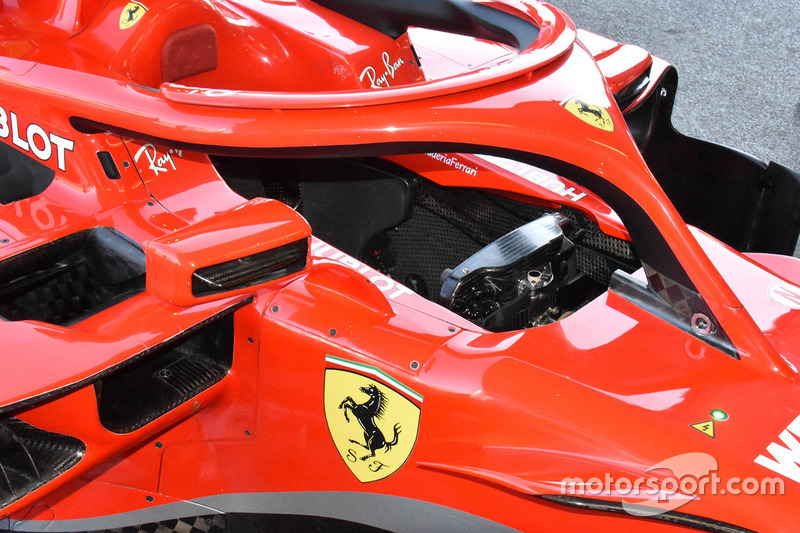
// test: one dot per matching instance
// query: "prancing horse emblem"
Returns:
(366, 413)
(584, 108)
(131, 14)
(592, 114)
(372, 417)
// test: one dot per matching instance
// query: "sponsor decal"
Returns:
(389, 68)
(158, 163)
(785, 295)
(590, 113)
(452, 161)
(784, 456)
(131, 14)
(373, 419)
(537, 176)
(33, 139)
(389, 287)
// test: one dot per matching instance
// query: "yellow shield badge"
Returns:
(373, 418)
(590, 113)
(131, 14)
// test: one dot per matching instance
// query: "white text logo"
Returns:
(158, 163)
(375, 81)
(35, 140)
(670, 484)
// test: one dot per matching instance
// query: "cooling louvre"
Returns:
(251, 270)
(31, 457)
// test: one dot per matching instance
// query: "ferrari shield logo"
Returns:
(373, 418)
(590, 113)
(131, 14)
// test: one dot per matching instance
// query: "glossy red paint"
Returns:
(623, 65)
(506, 417)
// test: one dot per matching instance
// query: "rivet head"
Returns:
(414, 365)
(332, 332)
(701, 324)
(274, 308)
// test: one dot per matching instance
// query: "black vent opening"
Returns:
(69, 279)
(251, 270)
(21, 176)
(164, 379)
(31, 457)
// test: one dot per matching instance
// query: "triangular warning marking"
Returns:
(706, 427)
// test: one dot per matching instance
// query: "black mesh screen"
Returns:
(169, 376)
(449, 225)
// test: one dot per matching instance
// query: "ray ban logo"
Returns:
(389, 67)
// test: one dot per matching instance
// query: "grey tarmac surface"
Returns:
(738, 65)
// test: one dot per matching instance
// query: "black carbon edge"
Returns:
(673, 517)
(15, 407)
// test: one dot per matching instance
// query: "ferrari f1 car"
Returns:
(416, 265)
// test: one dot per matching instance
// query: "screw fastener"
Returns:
(701, 324)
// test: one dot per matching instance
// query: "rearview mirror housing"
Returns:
(230, 253)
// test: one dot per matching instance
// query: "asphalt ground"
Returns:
(738, 65)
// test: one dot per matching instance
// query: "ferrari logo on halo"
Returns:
(590, 113)
(785, 295)
(373, 418)
(131, 14)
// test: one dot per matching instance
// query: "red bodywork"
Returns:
(612, 388)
